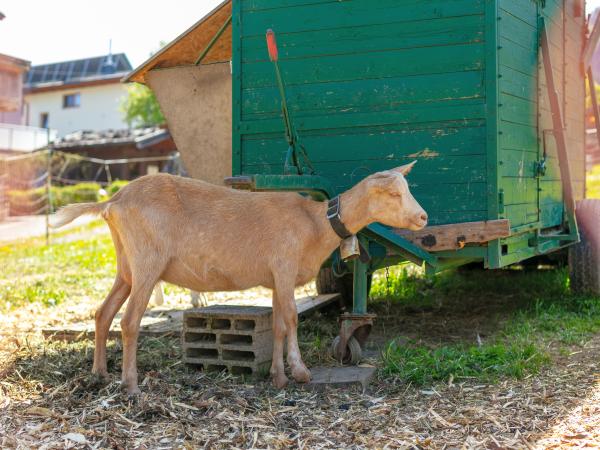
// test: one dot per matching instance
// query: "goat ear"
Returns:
(383, 182)
(405, 169)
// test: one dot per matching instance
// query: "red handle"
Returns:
(272, 45)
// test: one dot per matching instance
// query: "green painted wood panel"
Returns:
(308, 16)
(518, 109)
(363, 95)
(428, 143)
(368, 38)
(455, 84)
(373, 65)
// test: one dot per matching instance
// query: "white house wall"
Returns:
(99, 109)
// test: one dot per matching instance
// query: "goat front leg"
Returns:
(130, 328)
(279, 332)
(284, 286)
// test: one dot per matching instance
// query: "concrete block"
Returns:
(228, 337)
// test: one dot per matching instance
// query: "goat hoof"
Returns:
(301, 374)
(280, 381)
(101, 375)
(131, 390)
(134, 394)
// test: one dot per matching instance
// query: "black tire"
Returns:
(584, 257)
(555, 259)
(471, 267)
(328, 283)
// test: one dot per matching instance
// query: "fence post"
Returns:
(48, 187)
(48, 197)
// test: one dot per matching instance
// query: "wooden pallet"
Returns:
(169, 322)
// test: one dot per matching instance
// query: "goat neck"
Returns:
(355, 215)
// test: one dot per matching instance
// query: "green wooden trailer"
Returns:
(487, 95)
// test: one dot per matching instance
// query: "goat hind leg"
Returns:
(130, 327)
(104, 317)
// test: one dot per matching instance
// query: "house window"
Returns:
(72, 100)
(44, 120)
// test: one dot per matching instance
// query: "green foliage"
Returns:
(405, 282)
(140, 108)
(115, 186)
(27, 201)
(31, 200)
(419, 365)
(78, 193)
(593, 181)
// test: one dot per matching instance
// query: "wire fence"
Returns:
(36, 183)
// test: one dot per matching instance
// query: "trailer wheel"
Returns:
(584, 257)
(328, 283)
(351, 355)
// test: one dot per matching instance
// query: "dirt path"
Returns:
(22, 227)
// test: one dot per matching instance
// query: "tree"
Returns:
(140, 108)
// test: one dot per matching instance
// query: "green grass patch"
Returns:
(532, 313)
(420, 365)
(36, 273)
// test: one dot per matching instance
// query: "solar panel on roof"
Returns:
(77, 70)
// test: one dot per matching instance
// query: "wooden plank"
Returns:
(517, 110)
(161, 322)
(450, 110)
(393, 143)
(516, 136)
(518, 84)
(364, 95)
(373, 65)
(455, 236)
(309, 16)
(517, 57)
(522, 10)
(366, 38)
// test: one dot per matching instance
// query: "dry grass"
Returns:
(48, 401)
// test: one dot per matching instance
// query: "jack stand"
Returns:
(354, 332)
(355, 327)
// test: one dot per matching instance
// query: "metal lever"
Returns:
(295, 148)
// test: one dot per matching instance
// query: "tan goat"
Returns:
(210, 238)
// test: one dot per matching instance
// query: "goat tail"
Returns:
(69, 213)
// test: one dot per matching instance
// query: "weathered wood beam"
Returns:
(456, 235)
